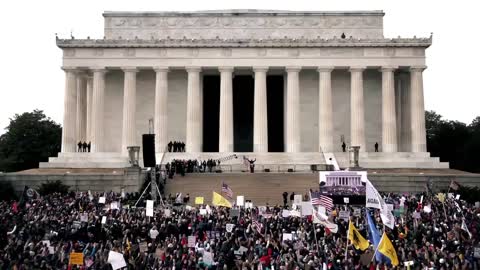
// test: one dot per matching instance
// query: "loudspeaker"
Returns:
(290, 170)
(266, 170)
(148, 142)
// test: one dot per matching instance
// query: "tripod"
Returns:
(153, 189)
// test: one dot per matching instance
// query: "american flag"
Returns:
(317, 199)
(227, 190)
(257, 224)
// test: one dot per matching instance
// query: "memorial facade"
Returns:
(284, 86)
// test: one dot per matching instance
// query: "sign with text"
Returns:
(240, 200)
(198, 200)
(191, 241)
(76, 258)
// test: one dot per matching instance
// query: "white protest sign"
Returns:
(101, 200)
(285, 213)
(427, 209)
(295, 213)
(457, 197)
(167, 212)
(84, 217)
(357, 212)
(450, 195)
(346, 200)
(306, 208)
(114, 205)
(104, 219)
(149, 208)
(203, 212)
(345, 215)
(240, 200)
(287, 236)
(116, 260)
(207, 258)
(297, 199)
(229, 227)
(191, 241)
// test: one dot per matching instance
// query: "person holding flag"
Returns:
(374, 236)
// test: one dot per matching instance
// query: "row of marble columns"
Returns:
(85, 100)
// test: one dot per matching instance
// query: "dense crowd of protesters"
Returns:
(41, 233)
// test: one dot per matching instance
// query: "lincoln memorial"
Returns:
(288, 88)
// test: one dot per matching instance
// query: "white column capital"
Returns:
(293, 69)
(225, 69)
(417, 68)
(388, 68)
(357, 68)
(161, 69)
(193, 69)
(260, 69)
(325, 69)
(98, 69)
(130, 69)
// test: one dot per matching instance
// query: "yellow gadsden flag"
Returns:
(356, 238)
(219, 200)
(386, 248)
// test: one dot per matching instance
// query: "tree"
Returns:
(30, 138)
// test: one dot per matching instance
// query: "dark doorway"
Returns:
(211, 112)
(243, 113)
(275, 113)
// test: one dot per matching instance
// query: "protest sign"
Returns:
(285, 213)
(207, 258)
(101, 200)
(297, 199)
(116, 260)
(287, 236)
(306, 208)
(240, 200)
(345, 215)
(167, 213)
(76, 258)
(149, 208)
(357, 212)
(229, 227)
(104, 220)
(198, 200)
(191, 241)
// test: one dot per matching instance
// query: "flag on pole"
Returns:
(386, 248)
(356, 238)
(258, 225)
(227, 190)
(374, 236)
(465, 228)
(319, 218)
(454, 185)
(219, 200)
(374, 200)
(317, 199)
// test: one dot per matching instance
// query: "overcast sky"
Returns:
(31, 77)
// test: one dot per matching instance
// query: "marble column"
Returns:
(98, 110)
(389, 122)
(226, 110)
(325, 111)
(129, 108)
(293, 110)
(260, 119)
(81, 114)
(89, 108)
(417, 114)
(201, 113)
(193, 110)
(406, 110)
(161, 109)
(69, 111)
(398, 110)
(357, 110)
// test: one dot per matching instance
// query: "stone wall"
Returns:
(131, 180)
(226, 24)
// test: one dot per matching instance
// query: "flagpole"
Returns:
(346, 247)
(376, 249)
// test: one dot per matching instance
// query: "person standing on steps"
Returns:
(376, 147)
(344, 147)
(285, 197)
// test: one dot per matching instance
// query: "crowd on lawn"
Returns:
(43, 231)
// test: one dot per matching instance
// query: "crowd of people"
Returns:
(83, 146)
(42, 232)
(180, 166)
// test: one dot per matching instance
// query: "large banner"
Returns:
(374, 200)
